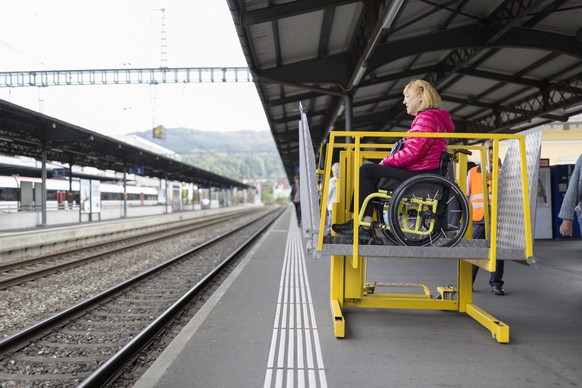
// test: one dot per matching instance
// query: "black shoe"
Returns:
(497, 290)
(367, 236)
(346, 229)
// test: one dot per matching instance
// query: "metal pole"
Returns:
(348, 112)
(43, 186)
(167, 194)
(124, 191)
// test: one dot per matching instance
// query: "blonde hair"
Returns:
(430, 97)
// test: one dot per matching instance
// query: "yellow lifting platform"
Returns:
(509, 237)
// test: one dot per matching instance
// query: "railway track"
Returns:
(91, 342)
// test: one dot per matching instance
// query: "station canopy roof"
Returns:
(24, 132)
(501, 66)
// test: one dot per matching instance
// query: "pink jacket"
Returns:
(417, 153)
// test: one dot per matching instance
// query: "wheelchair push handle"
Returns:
(463, 151)
(446, 157)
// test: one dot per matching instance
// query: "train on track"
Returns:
(18, 193)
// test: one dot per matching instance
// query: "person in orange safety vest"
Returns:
(477, 196)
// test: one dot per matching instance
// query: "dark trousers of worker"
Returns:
(496, 278)
(370, 175)
(298, 212)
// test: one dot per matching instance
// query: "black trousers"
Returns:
(370, 175)
(298, 211)
(496, 278)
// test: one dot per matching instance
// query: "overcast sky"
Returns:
(67, 34)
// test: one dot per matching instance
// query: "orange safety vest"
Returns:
(476, 197)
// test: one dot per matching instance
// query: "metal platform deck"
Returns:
(465, 249)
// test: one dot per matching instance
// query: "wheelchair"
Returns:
(424, 210)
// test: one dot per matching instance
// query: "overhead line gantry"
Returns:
(125, 76)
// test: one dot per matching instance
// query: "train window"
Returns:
(111, 196)
(51, 195)
(9, 194)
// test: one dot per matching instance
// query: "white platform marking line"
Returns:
(312, 379)
(291, 350)
(290, 379)
(298, 338)
(282, 343)
(300, 378)
(309, 348)
(279, 380)
(271, 359)
(268, 378)
(277, 315)
(285, 302)
(322, 378)
(318, 350)
(300, 359)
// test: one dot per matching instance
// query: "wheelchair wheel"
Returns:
(382, 209)
(428, 210)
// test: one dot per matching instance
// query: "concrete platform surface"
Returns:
(270, 325)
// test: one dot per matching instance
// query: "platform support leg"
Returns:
(345, 283)
(339, 324)
(337, 284)
(498, 329)
(465, 278)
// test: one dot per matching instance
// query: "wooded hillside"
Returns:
(238, 155)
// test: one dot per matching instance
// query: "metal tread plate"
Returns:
(465, 249)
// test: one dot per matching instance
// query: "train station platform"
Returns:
(20, 243)
(270, 325)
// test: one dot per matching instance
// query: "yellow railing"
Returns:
(349, 286)
(352, 154)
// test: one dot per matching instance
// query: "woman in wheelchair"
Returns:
(416, 156)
